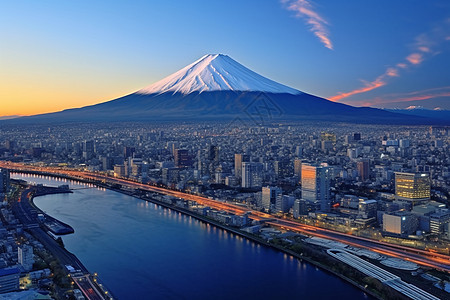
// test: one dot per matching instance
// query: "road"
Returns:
(27, 216)
(421, 257)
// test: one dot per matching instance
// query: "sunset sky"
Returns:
(63, 54)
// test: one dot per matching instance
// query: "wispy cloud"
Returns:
(317, 24)
(407, 97)
(368, 86)
(415, 58)
(424, 46)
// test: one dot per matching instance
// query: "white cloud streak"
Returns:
(317, 24)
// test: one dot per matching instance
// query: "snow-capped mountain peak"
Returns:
(216, 72)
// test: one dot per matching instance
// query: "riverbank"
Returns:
(54, 225)
(256, 239)
(315, 255)
(230, 229)
(68, 271)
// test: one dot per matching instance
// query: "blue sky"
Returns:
(60, 54)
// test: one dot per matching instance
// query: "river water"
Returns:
(143, 251)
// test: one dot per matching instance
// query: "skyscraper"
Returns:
(128, 151)
(247, 175)
(251, 174)
(283, 203)
(213, 153)
(88, 150)
(182, 158)
(414, 187)
(238, 160)
(298, 151)
(269, 196)
(316, 185)
(282, 168)
(4, 181)
(363, 169)
(298, 168)
(299, 208)
(25, 257)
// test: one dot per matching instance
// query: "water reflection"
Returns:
(159, 253)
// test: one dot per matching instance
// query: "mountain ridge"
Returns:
(216, 87)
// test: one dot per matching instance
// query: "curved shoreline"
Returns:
(217, 224)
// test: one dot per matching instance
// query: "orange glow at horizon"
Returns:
(38, 100)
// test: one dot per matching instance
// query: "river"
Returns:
(143, 251)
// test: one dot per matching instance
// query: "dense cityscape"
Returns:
(279, 149)
(388, 184)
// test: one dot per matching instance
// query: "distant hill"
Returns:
(9, 117)
(436, 114)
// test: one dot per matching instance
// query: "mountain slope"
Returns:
(216, 87)
(215, 72)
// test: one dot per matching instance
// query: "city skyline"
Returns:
(372, 198)
(70, 55)
(196, 149)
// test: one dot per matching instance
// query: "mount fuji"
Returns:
(216, 87)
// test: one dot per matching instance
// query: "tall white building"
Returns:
(25, 257)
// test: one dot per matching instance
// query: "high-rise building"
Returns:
(251, 174)
(298, 168)
(247, 175)
(269, 195)
(316, 185)
(171, 146)
(363, 169)
(283, 203)
(170, 175)
(182, 158)
(25, 257)
(298, 151)
(357, 136)
(414, 187)
(353, 153)
(238, 160)
(107, 163)
(213, 153)
(4, 181)
(300, 208)
(88, 150)
(282, 168)
(128, 151)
